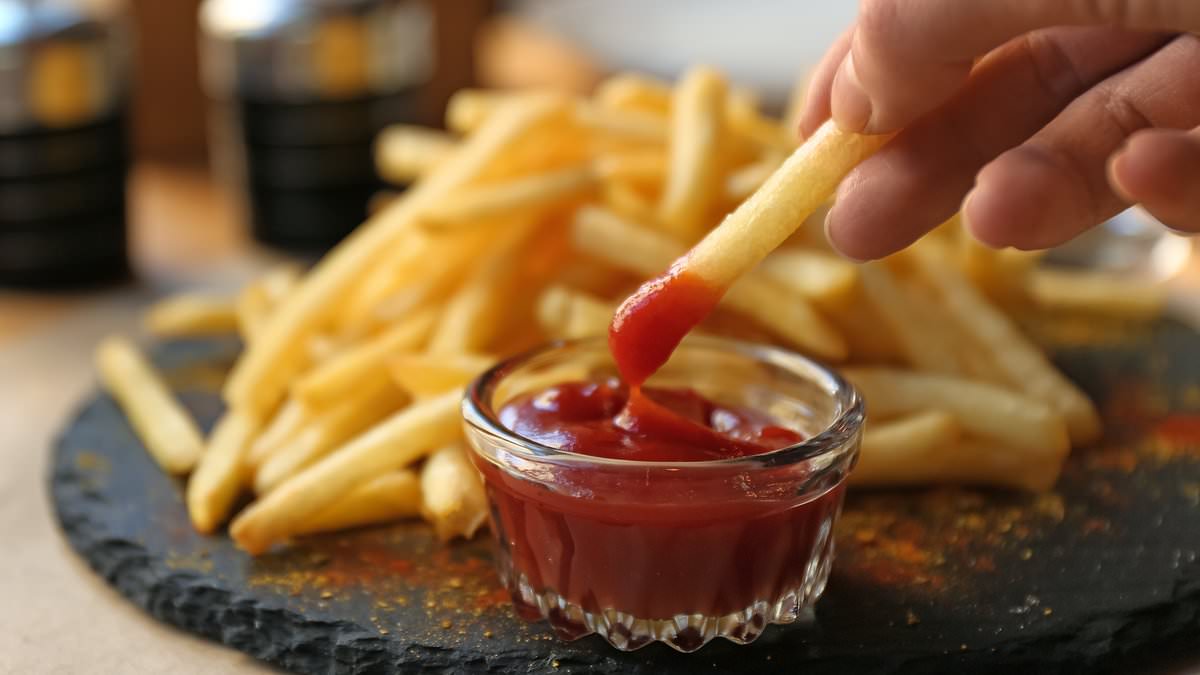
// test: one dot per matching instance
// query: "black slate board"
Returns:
(1102, 575)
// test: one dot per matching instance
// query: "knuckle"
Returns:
(1056, 73)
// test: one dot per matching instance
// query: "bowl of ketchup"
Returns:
(698, 505)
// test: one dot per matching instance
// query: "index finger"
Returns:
(907, 57)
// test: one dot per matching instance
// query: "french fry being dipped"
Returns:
(653, 320)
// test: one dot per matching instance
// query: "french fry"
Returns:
(221, 473)
(1019, 361)
(258, 299)
(980, 462)
(468, 109)
(287, 421)
(919, 330)
(169, 433)
(262, 374)
(822, 278)
(631, 91)
(569, 314)
(452, 496)
(392, 444)
(906, 451)
(646, 166)
(362, 365)
(746, 121)
(404, 153)
(1096, 293)
(627, 124)
(423, 375)
(360, 409)
(624, 200)
(743, 182)
(762, 222)
(474, 316)
(192, 314)
(1003, 276)
(524, 195)
(393, 496)
(697, 118)
(607, 236)
(983, 410)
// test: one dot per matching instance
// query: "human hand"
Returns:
(1049, 117)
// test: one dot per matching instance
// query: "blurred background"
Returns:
(192, 142)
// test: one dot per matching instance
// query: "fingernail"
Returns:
(832, 244)
(967, 225)
(849, 103)
(1114, 176)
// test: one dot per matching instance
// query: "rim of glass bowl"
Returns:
(833, 441)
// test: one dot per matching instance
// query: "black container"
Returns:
(299, 93)
(63, 157)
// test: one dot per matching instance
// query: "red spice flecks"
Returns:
(1181, 431)
(650, 323)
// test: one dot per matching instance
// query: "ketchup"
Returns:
(655, 545)
(650, 324)
(660, 425)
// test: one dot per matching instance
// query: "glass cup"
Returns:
(679, 552)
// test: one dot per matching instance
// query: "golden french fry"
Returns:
(192, 314)
(628, 124)
(361, 408)
(906, 451)
(982, 462)
(823, 278)
(287, 421)
(607, 236)
(919, 329)
(984, 410)
(221, 473)
(468, 109)
(779, 207)
(404, 153)
(743, 182)
(362, 365)
(569, 314)
(394, 443)
(255, 302)
(697, 118)
(624, 200)
(1096, 293)
(646, 166)
(423, 375)
(633, 91)
(746, 121)
(475, 315)
(392, 496)
(1004, 276)
(523, 195)
(169, 433)
(262, 374)
(452, 496)
(1023, 365)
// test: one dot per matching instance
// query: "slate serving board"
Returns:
(1101, 575)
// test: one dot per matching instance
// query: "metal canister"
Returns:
(300, 88)
(63, 157)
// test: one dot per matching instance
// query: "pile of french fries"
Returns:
(529, 220)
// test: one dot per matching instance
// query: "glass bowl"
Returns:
(678, 552)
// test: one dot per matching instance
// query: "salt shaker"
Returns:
(63, 157)
(299, 89)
